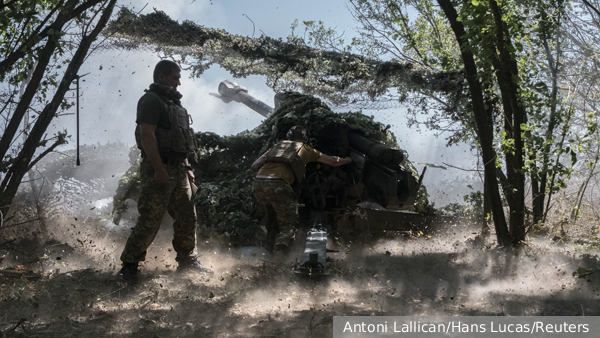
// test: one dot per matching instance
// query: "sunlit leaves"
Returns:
(323, 67)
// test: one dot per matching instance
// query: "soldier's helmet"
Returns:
(297, 132)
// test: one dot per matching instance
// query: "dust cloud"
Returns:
(442, 269)
(447, 269)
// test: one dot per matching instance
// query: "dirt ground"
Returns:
(73, 291)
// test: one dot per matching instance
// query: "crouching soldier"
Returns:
(281, 166)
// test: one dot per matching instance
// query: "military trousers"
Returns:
(154, 201)
(281, 205)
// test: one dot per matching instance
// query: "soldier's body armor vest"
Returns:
(288, 152)
(180, 138)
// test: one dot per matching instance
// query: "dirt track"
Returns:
(451, 273)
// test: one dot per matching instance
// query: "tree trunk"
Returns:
(538, 200)
(483, 121)
(22, 164)
(513, 104)
(576, 209)
(487, 210)
(34, 196)
(34, 83)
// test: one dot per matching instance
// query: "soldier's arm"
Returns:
(334, 161)
(190, 172)
(150, 144)
(258, 163)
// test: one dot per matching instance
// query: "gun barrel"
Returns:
(379, 153)
(230, 90)
(254, 104)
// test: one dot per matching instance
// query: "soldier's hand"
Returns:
(161, 177)
(348, 160)
(190, 175)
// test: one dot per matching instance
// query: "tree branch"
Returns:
(483, 120)
(21, 223)
(6, 4)
(37, 36)
(591, 7)
(307, 69)
(19, 168)
(58, 142)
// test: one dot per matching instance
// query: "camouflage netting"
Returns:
(288, 65)
(225, 202)
(128, 185)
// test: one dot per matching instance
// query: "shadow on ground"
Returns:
(452, 273)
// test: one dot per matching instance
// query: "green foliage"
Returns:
(461, 210)
(516, 46)
(291, 65)
(587, 247)
(422, 205)
(475, 203)
(527, 30)
(388, 32)
(583, 272)
(33, 37)
(225, 201)
(20, 23)
(26, 27)
(128, 186)
(322, 37)
(423, 37)
(473, 207)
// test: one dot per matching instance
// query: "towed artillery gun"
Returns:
(379, 174)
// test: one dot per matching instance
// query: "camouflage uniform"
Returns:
(128, 188)
(281, 205)
(152, 205)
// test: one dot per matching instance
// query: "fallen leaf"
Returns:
(583, 272)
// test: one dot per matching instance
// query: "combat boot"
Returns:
(193, 265)
(270, 243)
(129, 272)
(281, 254)
(283, 248)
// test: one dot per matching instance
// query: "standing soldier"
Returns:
(165, 138)
(281, 166)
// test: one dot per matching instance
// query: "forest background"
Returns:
(510, 85)
(513, 80)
